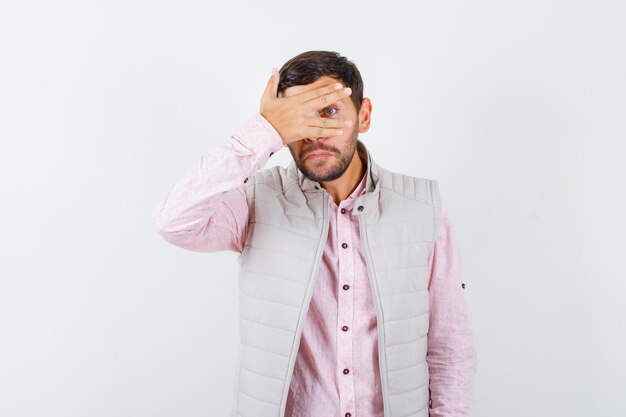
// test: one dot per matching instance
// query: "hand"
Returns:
(297, 117)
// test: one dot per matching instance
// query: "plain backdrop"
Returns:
(516, 107)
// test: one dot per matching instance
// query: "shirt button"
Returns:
(360, 208)
(345, 371)
(271, 153)
(343, 210)
(348, 414)
(246, 180)
(463, 285)
(346, 286)
(344, 245)
(344, 328)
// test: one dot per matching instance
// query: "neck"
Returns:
(340, 188)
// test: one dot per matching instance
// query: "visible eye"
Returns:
(330, 108)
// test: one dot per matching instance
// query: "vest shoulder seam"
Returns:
(430, 203)
(429, 182)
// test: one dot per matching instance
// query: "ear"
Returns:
(365, 115)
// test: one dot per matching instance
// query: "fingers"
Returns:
(326, 127)
(321, 132)
(319, 91)
(328, 99)
(329, 123)
(323, 96)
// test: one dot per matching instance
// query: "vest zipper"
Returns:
(307, 301)
(382, 364)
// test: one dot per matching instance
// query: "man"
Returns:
(351, 300)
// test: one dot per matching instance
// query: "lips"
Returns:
(317, 154)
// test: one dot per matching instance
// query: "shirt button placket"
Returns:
(345, 313)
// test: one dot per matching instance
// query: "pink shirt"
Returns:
(207, 211)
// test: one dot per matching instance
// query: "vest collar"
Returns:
(372, 174)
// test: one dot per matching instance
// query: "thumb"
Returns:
(272, 84)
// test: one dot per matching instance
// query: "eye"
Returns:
(330, 108)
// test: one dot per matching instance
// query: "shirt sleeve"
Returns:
(206, 210)
(451, 355)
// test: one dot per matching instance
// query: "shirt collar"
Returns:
(371, 175)
(360, 188)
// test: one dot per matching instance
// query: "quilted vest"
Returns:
(399, 216)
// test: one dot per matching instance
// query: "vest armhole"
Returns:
(250, 195)
(436, 201)
(434, 192)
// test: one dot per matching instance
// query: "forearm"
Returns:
(452, 363)
(211, 194)
(452, 358)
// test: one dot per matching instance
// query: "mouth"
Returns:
(318, 155)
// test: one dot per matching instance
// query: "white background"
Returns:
(517, 108)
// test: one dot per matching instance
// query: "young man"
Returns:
(351, 299)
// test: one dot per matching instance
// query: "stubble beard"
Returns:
(318, 172)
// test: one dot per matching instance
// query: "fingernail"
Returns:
(348, 90)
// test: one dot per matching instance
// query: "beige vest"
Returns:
(399, 217)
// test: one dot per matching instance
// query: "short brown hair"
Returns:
(308, 66)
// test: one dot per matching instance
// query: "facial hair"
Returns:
(335, 171)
